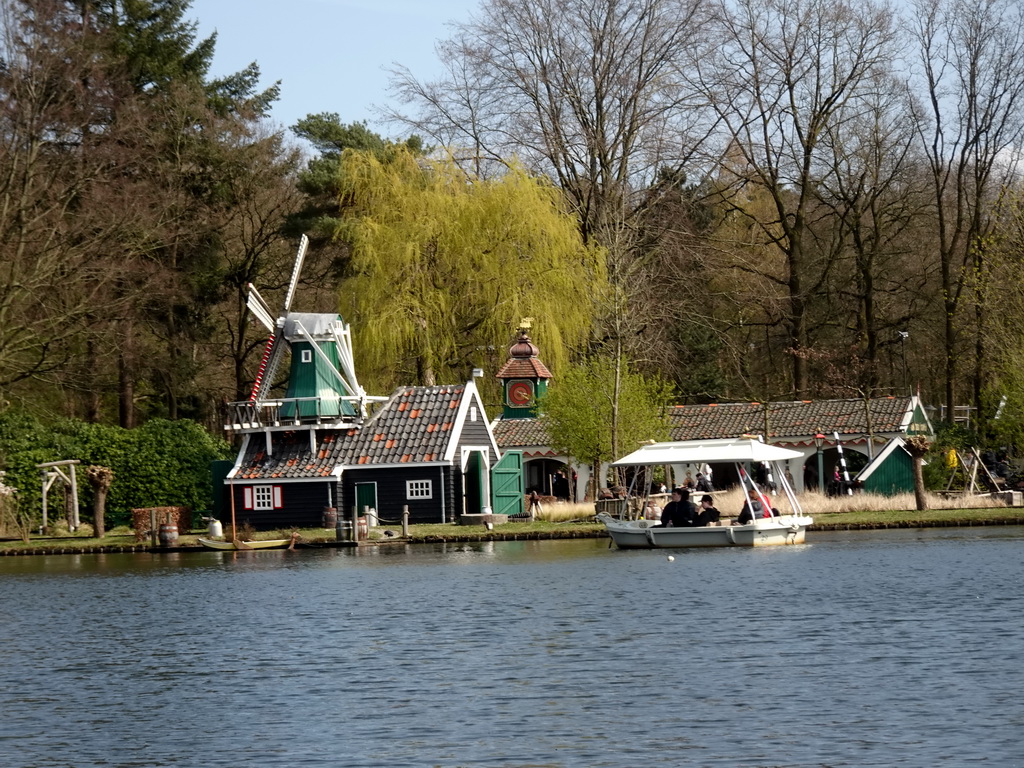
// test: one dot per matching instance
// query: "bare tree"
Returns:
(874, 194)
(778, 74)
(586, 91)
(100, 479)
(971, 73)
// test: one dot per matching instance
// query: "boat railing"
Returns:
(629, 508)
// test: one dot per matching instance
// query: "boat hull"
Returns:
(641, 534)
(230, 545)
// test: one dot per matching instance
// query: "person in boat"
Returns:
(753, 507)
(708, 514)
(680, 512)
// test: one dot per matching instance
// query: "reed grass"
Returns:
(563, 511)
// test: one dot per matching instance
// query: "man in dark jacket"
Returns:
(680, 512)
(708, 512)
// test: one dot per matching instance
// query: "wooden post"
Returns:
(75, 521)
(46, 477)
(51, 473)
(152, 526)
(405, 521)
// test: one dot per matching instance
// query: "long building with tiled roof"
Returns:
(793, 424)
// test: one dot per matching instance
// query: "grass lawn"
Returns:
(883, 518)
(574, 521)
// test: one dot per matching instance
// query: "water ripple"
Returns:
(888, 649)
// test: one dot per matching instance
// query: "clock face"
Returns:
(519, 394)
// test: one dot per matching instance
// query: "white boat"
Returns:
(786, 528)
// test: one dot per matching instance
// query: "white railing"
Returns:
(292, 411)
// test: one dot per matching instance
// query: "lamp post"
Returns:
(819, 440)
(904, 335)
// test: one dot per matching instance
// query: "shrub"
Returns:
(160, 464)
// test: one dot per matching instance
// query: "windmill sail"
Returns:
(271, 352)
(259, 308)
(272, 356)
(299, 258)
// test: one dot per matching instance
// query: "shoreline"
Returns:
(588, 531)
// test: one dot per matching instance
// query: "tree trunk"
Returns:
(99, 512)
(797, 323)
(100, 479)
(919, 492)
(126, 391)
(917, 447)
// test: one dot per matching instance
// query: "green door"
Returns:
(366, 496)
(507, 484)
(473, 477)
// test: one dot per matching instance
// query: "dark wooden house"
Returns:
(428, 448)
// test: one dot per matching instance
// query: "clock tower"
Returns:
(524, 378)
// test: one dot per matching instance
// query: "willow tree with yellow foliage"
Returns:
(444, 265)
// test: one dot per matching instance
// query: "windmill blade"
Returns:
(343, 340)
(272, 356)
(316, 347)
(259, 308)
(299, 258)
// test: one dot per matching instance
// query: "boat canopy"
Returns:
(694, 451)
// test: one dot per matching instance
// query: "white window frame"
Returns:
(419, 489)
(262, 497)
(307, 355)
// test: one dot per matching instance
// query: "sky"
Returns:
(330, 55)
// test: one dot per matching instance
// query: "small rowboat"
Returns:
(243, 545)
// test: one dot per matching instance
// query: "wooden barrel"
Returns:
(168, 535)
(330, 517)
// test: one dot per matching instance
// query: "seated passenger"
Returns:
(709, 515)
(753, 508)
(680, 512)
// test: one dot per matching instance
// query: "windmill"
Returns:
(322, 384)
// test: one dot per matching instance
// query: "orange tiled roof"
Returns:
(523, 368)
(414, 425)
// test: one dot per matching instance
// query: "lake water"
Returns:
(857, 649)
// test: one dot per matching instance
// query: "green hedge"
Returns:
(162, 463)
